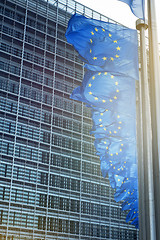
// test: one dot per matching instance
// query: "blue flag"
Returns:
(109, 91)
(104, 46)
(108, 88)
(136, 6)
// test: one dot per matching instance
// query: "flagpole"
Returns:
(155, 107)
(144, 146)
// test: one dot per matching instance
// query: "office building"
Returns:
(51, 185)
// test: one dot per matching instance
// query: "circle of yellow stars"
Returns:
(117, 47)
(103, 100)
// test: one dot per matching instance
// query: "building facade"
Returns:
(51, 185)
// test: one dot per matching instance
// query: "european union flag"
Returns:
(104, 46)
(105, 90)
(108, 88)
(136, 6)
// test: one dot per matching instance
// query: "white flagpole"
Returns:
(144, 146)
(154, 84)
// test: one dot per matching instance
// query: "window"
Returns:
(4, 193)
(104, 211)
(43, 178)
(7, 126)
(3, 216)
(54, 181)
(55, 159)
(85, 229)
(5, 170)
(74, 227)
(6, 148)
(75, 204)
(47, 98)
(85, 207)
(41, 222)
(44, 157)
(88, 148)
(45, 136)
(53, 202)
(75, 184)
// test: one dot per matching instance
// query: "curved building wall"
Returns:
(50, 180)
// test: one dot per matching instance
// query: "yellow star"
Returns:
(99, 73)
(119, 127)
(96, 29)
(105, 142)
(101, 114)
(106, 147)
(96, 98)
(120, 150)
(110, 35)
(110, 132)
(118, 116)
(115, 132)
(101, 125)
(122, 144)
(90, 93)
(117, 90)
(110, 100)
(90, 50)
(91, 40)
(115, 97)
(94, 58)
(116, 83)
(106, 110)
(116, 153)
(111, 154)
(117, 56)
(100, 120)
(105, 73)
(112, 76)
(115, 41)
(120, 122)
(118, 48)
(103, 29)
(104, 58)
(112, 58)
(93, 77)
(104, 129)
(92, 33)
(103, 100)
(118, 180)
(89, 85)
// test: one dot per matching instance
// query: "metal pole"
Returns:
(155, 107)
(145, 166)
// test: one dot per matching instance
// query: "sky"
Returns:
(119, 11)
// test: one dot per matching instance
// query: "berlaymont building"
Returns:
(51, 185)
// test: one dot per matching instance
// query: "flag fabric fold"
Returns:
(137, 7)
(103, 46)
(108, 88)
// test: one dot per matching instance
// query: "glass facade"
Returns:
(50, 180)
